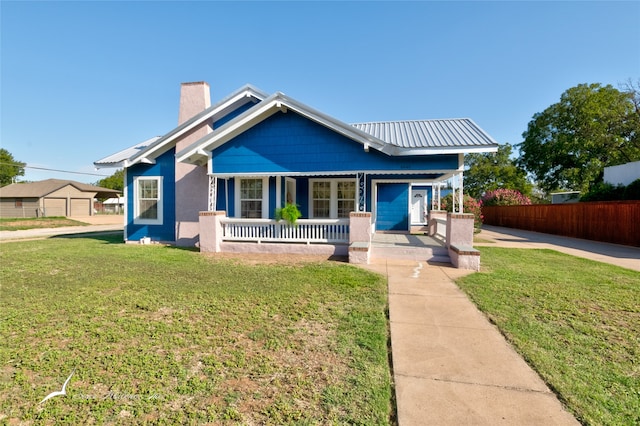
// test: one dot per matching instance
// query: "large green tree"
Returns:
(568, 145)
(491, 171)
(9, 167)
(115, 181)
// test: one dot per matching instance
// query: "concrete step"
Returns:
(425, 254)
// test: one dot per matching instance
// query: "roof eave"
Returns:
(263, 110)
(399, 151)
(222, 106)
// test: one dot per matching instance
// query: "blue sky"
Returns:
(82, 80)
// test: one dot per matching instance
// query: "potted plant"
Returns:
(290, 213)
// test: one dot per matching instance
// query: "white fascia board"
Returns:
(222, 107)
(400, 152)
(266, 108)
(335, 173)
(119, 164)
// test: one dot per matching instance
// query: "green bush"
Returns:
(604, 192)
(632, 191)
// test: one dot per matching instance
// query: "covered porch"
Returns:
(448, 240)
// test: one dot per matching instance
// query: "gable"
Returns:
(287, 142)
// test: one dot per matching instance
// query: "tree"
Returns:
(115, 181)
(9, 167)
(568, 145)
(491, 171)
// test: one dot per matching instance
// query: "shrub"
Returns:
(504, 197)
(604, 192)
(632, 191)
(470, 205)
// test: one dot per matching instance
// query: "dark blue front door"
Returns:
(392, 207)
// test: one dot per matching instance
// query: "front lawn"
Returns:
(577, 322)
(15, 224)
(156, 334)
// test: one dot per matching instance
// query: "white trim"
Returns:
(446, 173)
(125, 194)
(278, 191)
(136, 200)
(265, 195)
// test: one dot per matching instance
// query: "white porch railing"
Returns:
(307, 231)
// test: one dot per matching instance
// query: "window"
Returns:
(346, 198)
(334, 198)
(251, 198)
(147, 200)
(321, 199)
(18, 202)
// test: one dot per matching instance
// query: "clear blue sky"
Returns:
(82, 80)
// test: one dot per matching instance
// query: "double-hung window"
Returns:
(333, 198)
(147, 200)
(251, 200)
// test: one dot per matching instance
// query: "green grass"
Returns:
(577, 322)
(164, 335)
(15, 224)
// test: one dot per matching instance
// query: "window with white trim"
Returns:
(147, 200)
(346, 197)
(251, 198)
(332, 198)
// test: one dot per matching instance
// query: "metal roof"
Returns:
(47, 186)
(118, 159)
(419, 134)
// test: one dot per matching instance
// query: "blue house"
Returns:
(253, 152)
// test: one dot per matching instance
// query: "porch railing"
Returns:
(308, 231)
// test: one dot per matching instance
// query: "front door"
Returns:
(418, 206)
(392, 207)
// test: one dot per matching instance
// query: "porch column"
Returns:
(213, 188)
(359, 237)
(211, 231)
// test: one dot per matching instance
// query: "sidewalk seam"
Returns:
(458, 382)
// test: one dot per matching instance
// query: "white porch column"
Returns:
(461, 202)
(213, 189)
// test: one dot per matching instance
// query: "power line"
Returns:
(52, 170)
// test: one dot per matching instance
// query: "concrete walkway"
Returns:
(615, 254)
(450, 365)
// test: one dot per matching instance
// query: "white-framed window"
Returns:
(332, 198)
(252, 198)
(147, 200)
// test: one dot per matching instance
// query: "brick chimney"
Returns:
(192, 182)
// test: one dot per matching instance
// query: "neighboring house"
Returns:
(51, 197)
(565, 197)
(623, 174)
(252, 152)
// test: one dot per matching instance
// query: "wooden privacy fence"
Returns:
(612, 221)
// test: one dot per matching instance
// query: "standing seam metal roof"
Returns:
(443, 133)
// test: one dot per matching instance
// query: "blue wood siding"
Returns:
(165, 167)
(288, 142)
(392, 207)
(221, 195)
